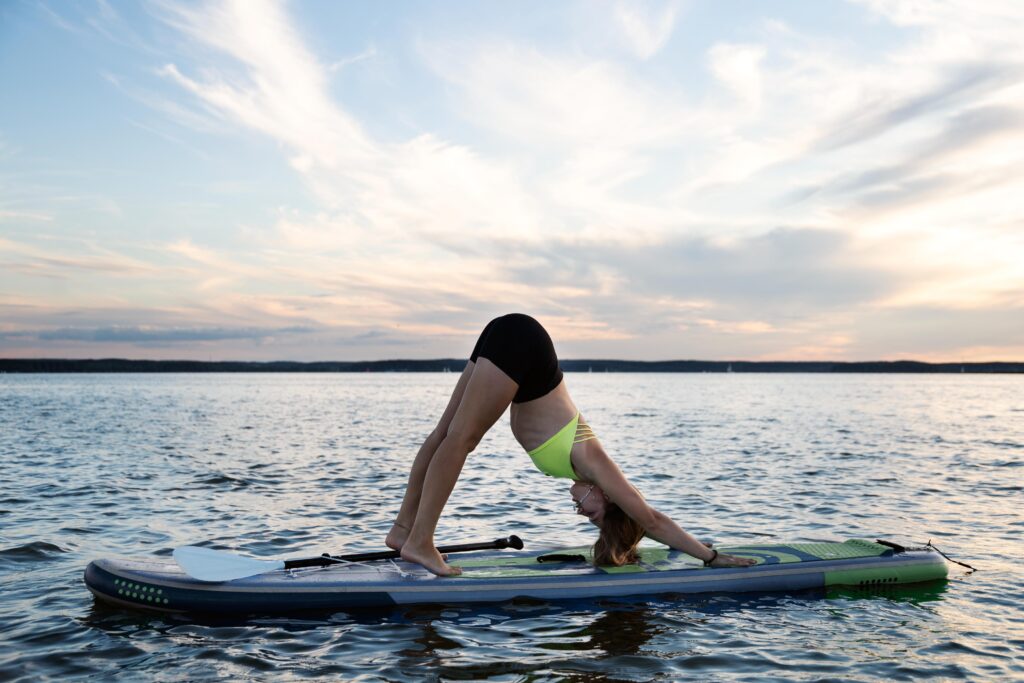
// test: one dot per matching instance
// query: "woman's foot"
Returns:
(396, 537)
(429, 558)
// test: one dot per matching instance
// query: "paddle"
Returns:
(207, 564)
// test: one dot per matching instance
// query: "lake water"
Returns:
(284, 465)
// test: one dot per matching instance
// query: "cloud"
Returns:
(785, 272)
(24, 216)
(48, 262)
(585, 131)
(962, 14)
(556, 99)
(383, 193)
(282, 90)
(369, 53)
(98, 18)
(646, 30)
(738, 67)
(939, 333)
(964, 84)
(964, 132)
(256, 343)
(147, 335)
(58, 20)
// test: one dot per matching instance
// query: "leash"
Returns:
(962, 564)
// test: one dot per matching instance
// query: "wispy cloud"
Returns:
(24, 215)
(48, 263)
(369, 53)
(282, 91)
(646, 27)
(965, 84)
(161, 335)
(58, 20)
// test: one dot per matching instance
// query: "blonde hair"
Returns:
(620, 535)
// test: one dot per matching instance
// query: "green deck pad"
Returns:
(653, 558)
(660, 558)
(657, 558)
(520, 565)
(785, 554)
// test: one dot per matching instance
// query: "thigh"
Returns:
(488, 393)
(455, 400)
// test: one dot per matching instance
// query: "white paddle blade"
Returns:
(217, 565)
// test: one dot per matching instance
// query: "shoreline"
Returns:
(122, 365)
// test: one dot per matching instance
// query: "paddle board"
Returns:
(495, 576)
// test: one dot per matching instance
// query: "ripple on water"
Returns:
(32, 552)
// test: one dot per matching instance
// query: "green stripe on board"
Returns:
(882, 576)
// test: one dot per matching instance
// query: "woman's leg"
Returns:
(407, 514)
(488, 393)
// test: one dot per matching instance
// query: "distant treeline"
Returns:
(456, 365)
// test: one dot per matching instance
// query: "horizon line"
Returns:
(99, 365)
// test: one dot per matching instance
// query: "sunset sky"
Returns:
(258, 180)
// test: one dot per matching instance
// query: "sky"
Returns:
(738, 179)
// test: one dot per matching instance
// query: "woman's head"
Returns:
(590, 501)
(620, 534)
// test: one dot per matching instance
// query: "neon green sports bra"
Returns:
(553, 457)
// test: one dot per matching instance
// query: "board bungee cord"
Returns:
(207, 564)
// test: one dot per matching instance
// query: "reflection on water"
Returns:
(300, 464)
(671, 634)
(928, 591)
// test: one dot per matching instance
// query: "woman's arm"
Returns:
(663, 530)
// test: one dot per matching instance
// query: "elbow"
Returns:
(652, 521)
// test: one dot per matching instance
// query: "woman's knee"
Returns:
(435, 438)
(465, 437)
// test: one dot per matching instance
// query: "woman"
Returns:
(514, 363)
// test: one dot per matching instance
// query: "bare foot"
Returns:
(430, 559)
(396, 537)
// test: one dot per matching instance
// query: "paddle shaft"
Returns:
(325, 560)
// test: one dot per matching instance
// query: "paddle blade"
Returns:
(206, 564)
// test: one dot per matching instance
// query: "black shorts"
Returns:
(522, 349)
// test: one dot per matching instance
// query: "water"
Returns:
(134, 465)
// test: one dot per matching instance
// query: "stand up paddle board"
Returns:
(495, 576)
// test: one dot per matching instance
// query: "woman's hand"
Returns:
(724, 560)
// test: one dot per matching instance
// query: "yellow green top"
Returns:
(553, 457)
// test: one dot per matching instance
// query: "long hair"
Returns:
(620, 535)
